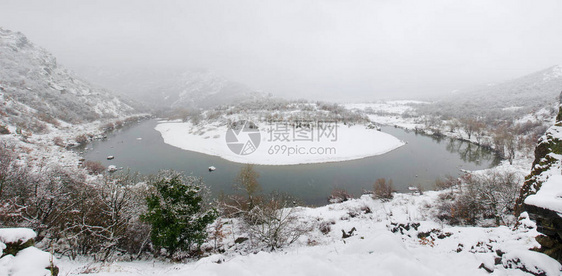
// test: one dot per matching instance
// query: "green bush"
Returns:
(176, 212)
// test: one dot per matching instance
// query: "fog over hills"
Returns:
(538, 88)
(172, 88)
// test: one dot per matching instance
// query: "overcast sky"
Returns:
(329, 49)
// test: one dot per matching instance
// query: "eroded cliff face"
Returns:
(544, 206)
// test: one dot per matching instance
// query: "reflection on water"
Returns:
(420, 162)
(468, 152)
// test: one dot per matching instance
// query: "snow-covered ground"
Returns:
(399, 237)
(282, 148)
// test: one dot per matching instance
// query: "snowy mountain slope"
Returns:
(528, 98)
(171, 88)
(36, 91)
(536, 89)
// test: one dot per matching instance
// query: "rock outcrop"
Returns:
(542, 207)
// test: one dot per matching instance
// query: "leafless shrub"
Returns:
(119, 124)
(448, 183)
(75, 216)
(275, 223)
(58, 141)
(81, 139)
(382, 189)
(339, 195)
(119, 214)
(4, 130)
(36, 126)
(94, 167)
(325, 227)
(233, 205)
(48, 119)
(490, 196)
(108, 127)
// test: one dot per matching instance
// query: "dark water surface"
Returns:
(421, 161)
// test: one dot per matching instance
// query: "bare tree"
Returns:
(470, 126)
(275, 223)
(453, 125)
(248, 180)
(505, 142)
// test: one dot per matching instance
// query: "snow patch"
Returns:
(31, 261)
(549, 195)
(13, 235)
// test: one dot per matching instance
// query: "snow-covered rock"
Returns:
(14, 235)
(532, 262)
(549, 195)
(26, 261)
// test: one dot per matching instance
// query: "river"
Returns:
(420, 162)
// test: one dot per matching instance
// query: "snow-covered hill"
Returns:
(36, 93)
(171, 88)
(536, 89)
(521, 100)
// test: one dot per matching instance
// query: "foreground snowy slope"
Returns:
(35, 92)
(391, 238)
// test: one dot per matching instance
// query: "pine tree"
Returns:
(176, 213)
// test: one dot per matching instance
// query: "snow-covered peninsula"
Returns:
(282, 148)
